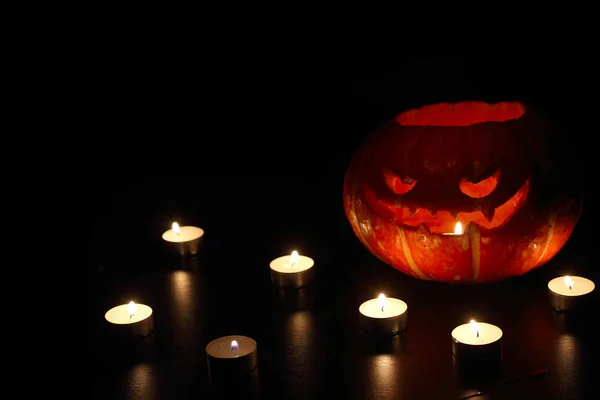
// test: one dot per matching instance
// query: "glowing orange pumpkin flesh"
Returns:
(417, 176)
(486, 214)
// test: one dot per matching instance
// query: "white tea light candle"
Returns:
(183, 240)
(569, 292)
(292, 271)
(131, 320)
(477, 341)
(383, 316)
(231, 357)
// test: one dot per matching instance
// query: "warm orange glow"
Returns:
(481, 188)
(382, 301)
(474, 327)
(444, 221)
(396, 184)
(176, 228)
(294, 257)
(461, 114)
(131, 309)
(458, 228)
(569, 282)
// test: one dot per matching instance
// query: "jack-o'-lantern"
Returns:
(462, 193)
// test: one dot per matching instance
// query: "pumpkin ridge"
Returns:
(353, 190)
(475, 242)
(551, 225)
(406, 250)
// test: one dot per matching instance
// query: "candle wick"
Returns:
(382, 308)
(477, 333)
(292, 264)
(131, 316)
(570, 287)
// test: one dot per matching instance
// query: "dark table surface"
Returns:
(309, 342)
(265, 203)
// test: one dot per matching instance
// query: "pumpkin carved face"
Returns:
(470, 168)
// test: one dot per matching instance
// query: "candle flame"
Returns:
(176, 228)
(569, 282)
(294, 258)
(382, 301)
(131, 308)
(475, 327)
(458, 228)
(234, 345)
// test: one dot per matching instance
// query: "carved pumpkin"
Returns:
(486, 170)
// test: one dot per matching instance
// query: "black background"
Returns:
(254, 152)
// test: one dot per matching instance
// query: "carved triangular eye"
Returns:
(396, 184)
(482, 188)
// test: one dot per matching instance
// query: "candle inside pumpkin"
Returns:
(458, 229)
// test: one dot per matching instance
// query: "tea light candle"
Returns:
(231, 357)
(458, 230)
(569, 292)
(183, 240)
(131, 320)
(383, 316)
(292, 271)
(477, 341)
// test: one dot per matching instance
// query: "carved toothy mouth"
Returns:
(444, 221)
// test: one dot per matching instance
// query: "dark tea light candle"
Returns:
(569, 292)
(231, 357)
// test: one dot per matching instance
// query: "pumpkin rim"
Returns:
(464, 113)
